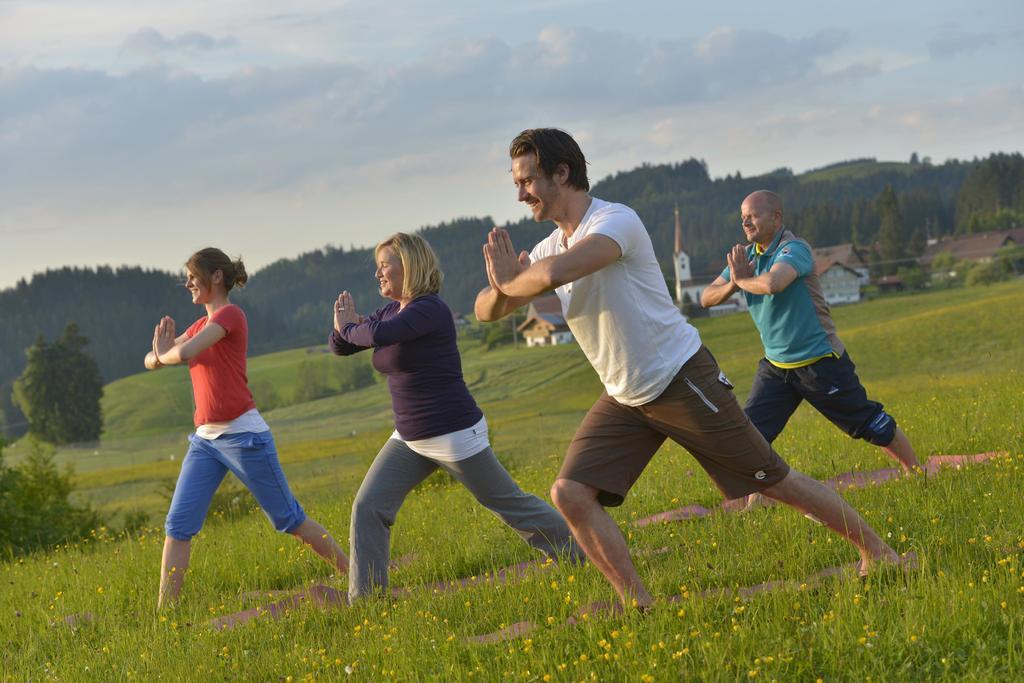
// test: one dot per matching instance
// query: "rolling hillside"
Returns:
(948, 365)
(905, 347)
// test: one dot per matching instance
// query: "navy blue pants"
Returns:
(830, 385)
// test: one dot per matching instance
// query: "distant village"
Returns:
(842, 269)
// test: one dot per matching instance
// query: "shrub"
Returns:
(987, 273)
(35, 506)
(913, 277)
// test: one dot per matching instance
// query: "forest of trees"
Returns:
(896, 206)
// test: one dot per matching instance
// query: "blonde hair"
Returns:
(419, 262)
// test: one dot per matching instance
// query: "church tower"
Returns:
(681, 261)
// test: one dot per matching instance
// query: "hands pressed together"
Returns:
(345, 311)
(739, 267)
(500, 257)
(163, 337)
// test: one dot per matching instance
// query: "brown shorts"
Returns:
(698, 411)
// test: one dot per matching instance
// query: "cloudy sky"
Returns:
(136, 131)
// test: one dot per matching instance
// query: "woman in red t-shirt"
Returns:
(230, 433)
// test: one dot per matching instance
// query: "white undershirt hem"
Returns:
(453, 446)
(249, 421)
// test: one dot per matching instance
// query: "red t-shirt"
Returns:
(219, 383)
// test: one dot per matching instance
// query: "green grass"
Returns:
(947, 364)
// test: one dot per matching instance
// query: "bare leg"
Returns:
(811, 497)
(600, 538)
(173, 566)
(900, 449)
(316, 537)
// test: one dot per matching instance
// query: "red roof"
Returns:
(823, 264)
(844, 254)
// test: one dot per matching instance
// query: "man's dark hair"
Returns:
(552, 147)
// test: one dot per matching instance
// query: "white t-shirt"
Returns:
(622, 315)
(249, 421)
(453, 446)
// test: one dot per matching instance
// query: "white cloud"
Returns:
(388, 116)
(167, 131)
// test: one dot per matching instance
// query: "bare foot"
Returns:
(907, 561)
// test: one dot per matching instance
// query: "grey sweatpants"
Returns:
(397, 469)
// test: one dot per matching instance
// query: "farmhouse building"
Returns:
(840, 284)
(845, 255)
(981, 247)
(545, 325)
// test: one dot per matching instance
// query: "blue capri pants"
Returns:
(252, 457)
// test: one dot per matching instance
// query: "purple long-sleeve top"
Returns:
(415, 347)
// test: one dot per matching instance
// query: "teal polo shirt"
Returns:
(794, 330)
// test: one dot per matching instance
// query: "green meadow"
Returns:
(947, 364)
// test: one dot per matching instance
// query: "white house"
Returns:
(840, 284)
(846, 255)
(544, 324)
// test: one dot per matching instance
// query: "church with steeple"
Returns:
(689, 290)
(681, 262)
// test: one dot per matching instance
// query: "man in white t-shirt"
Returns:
(660, 381)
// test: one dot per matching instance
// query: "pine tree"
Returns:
(60, 389)
(892, 243)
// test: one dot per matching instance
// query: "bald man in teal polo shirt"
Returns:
(804, 358)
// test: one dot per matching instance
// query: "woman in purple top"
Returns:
(437, 422)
